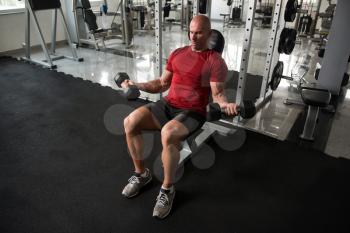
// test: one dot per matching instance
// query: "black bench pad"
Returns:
(315, 96)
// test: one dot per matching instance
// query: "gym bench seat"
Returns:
(315, 97)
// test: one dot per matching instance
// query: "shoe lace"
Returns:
(134, 180)
(162, 199)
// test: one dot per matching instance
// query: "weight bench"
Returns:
(316, 98)
(192, 144)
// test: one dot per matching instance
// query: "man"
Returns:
(191, 73)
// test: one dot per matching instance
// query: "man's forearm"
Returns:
(220, 99)
(154, 86)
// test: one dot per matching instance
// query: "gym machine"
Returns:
(235, 13)
(317, 95)
(186, 14)
(202, 7)
(173, 13)
(265, 13)
(84, 24)
(229, 126)
(31, 6)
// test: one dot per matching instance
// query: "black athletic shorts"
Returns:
(164, 112)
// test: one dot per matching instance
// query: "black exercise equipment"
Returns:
(291, 10)
(236, 13)
(315, 98)
(282, 40)
(304, 24)
(90, 19)
(166, 10)
(345, 80)
(202, 6)
(97, 34)
(246, 111)
(216, 41)
(290, 41)
(85, 4)
(317, 72)
(287, 40)
(131, 93)
(37, 5)
(267, 15)
(277, 75)
(321, 52)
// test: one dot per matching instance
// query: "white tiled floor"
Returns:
(275, 119)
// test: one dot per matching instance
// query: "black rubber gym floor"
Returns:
(61, 170)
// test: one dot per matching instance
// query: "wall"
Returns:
(218, 7)
(12, 28)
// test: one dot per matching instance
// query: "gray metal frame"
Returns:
(209, 9)
(158, 37)
(271, 48)
(195, 7)
(125, 28)
(209, 129)
(54, 30)
(245, 51)
(310, 123)
(48, 62)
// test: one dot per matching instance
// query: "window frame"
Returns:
(13, 10)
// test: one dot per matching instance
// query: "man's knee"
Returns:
(130, 123)
(171, 136)
(127, 125)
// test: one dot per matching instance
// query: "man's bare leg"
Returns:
(138, 120)
(172, 134)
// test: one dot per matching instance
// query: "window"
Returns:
(9, 6)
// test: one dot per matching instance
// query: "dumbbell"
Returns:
(130, 93)
(246, 111)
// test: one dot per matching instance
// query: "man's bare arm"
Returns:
(218, 94)
(158, 85)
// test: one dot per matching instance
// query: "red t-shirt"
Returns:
(192, 74)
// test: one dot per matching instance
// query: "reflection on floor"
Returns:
(276, 119)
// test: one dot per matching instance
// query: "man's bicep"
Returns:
(166, 78)
(218, 70)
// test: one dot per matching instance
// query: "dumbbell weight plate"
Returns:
(120, 78)
(276, 75)
(291, 10)
(246, 111)
(282, 40)
(131, 93)
(291, 37)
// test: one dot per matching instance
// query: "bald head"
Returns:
(200, 30)
(203, 21)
